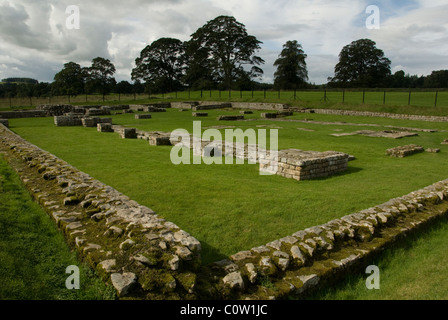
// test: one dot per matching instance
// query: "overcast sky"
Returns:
(35, 41)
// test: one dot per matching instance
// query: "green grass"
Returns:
(33, 254)
(231, 207)
(415, 269)
(422, 102)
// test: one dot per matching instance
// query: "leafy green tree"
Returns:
(70, 80)
(100, 76)
(198, 73)
(437, 79)
(362, 64)
(161, 65)
(291, 71)
(229, 49)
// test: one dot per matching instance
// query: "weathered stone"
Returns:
(234, 281)
(241, 255)
(174, 263)
(144, 260)
(125, 245)
(252, 271)
(298, 255)
(183, 253)
(108, 266)
(123, 283)
(227, 265)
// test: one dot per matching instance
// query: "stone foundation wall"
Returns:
(22, 114)
(404, 151)
(133, 249)
(68, 121)
(305, 165)
(377, 114)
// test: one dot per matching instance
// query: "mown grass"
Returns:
(231, 207)
(421, 102)
(33, 254)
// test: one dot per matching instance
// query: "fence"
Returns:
(426, 98)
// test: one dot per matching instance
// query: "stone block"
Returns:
(104, 127)
(129, 133)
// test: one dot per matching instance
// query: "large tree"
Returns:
(161, 65)
(100, 76)
(362, 64)
(228, 49)
(70, 80)
(291, 67)
(437, 79)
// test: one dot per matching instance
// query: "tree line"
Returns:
(221, 55)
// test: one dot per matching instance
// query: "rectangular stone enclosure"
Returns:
(305, 165)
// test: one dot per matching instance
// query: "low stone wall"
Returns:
(260, 106)
(211, 106)
(130, 246)
(68, 121)
(52, 110)
(22, 114)
(305, 165)
(104, 127)
(404, 151)
(377, 114)
(199, 114)
(272, 115)
(230, 118)
(93, 122)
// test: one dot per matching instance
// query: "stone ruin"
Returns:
(104, 127)
(404, 151)
(305, 165)
(274, 115)
(230, 118)
(380, 134)
(143, 256)
(199, 114)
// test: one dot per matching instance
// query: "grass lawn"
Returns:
(231, 207)
(33, 253)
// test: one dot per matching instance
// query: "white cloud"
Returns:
(36, 42)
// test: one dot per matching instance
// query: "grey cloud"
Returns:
(14, 29)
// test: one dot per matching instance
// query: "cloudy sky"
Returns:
(35, 41)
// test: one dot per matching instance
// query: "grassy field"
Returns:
(418, 102)
(240, 208)
(33, 253)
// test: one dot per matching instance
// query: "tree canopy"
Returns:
(225, 47)
(70, 80)
(100, 76)
(362, 64)
(161, 64)
(291, 71)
